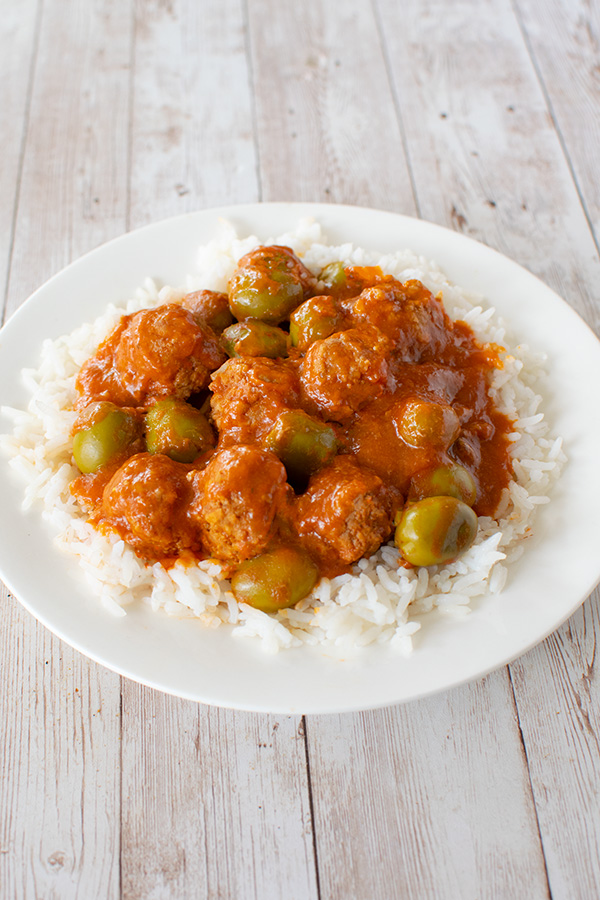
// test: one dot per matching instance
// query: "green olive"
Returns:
(209, 308)
(220, 319)
(178, 430)
(277, 579)
(333, 275)
(314, 320)
(215, 311)
(112, 432)
(268, 287)
(450, 480)
(423, 423)
(254, 338)
(302, 444)
(435, 530)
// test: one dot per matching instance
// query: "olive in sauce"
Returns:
(350, 405)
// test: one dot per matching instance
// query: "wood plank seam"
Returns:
(251, 82)
(120, 875)
(396, 100)
(128, 180)
(526, 760)
(555, 122)
(304, 726)
(130, 108)
(23, 144)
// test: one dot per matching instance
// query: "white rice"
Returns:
(378, 602)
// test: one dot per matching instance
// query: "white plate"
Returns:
(559, 569)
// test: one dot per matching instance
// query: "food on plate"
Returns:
(369, 408)
(275, 580)
(345, 514)
(178, 430)
(435, 530)
(237, 498)
(314, 443)
(104, 434)
(448, 480)
(145, 502)
(268, 284)
(154, 354)
(302, 443)
(255, 338)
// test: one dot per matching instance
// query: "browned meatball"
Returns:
(248, 396)
(236, 499)
(163, 352)
(346, 513)
(343, 372)
(154, 353)
(408, 314)
(146, 501)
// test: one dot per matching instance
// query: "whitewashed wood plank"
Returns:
(489, 162)
(558, 693)
(192, 140)
(564, 38)
(17, 47)
(73, 194)
(60, 784)
(215, 803)
(362, 803)
(326, 123)
(429, 800)
(59, 766)
(359, 799)
(484, 153)
(221, 807)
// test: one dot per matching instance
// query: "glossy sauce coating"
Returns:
(399, 385)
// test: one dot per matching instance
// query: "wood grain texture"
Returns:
(191, 127)
(60, 726)
(138, 110)
(489, 163)
(217, 803)
(557, 687)
(59, 767)
(501, 176)
(73, 192)
(560, 717)
(18, 45)
(564, 39)
(326, 123)
(352, 833)
(446, 809)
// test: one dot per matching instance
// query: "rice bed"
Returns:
(378, 601)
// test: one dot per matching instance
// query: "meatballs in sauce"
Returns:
(291, 426)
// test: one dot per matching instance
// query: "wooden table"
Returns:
(481, 116)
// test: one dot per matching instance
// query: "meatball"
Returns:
(153, 353)
(249, 393)
(408, 314)
(346, 513)
(146, 501)
(236, 499)
(343, 372)
(163, 352)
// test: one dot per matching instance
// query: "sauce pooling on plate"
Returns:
(291, 426)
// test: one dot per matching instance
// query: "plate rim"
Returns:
(300, 210)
